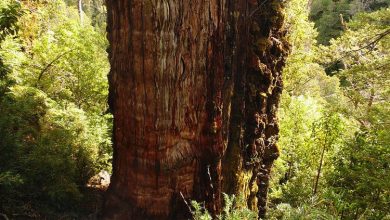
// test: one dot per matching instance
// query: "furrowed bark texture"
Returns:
(194, 89)
(165, 94)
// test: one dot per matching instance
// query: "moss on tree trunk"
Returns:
(194, 89)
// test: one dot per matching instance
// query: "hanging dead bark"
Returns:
(194, 88)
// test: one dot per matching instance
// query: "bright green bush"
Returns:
(285, 211)
(50, 151)
(54, 129)
(234, 209)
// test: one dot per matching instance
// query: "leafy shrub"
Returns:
(54, 130)
(49, 150)
(234, 209)
(304, 212)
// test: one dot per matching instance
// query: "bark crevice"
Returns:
(194, 88)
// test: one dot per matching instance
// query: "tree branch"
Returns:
(49, 65)
(371, 45)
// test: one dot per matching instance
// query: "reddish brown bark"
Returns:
(165, 94)
(191, 83)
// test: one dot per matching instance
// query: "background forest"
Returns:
(55, 127)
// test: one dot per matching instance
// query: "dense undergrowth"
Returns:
(334, 114)
(54, 129)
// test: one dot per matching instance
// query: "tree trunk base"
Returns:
(116, 208)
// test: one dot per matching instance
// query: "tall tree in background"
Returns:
(194, 89)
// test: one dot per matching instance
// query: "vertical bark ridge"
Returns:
(194, 88)
(212, 134)
(165, 93)
(235, 71)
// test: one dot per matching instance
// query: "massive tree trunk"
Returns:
(194, 86)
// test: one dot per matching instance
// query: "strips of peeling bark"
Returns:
(165, 94)
(194, 88)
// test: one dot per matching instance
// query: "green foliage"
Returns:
(309, 122)
(306, 131)
(303, 75)
(341, 114)
(298, 150)
(234, 209)
(309, 210)
(334, 115)
(199, 212)
(54, 129)
(93, 9)
(360, 180)
(53, 150)
(10, 11)
(57, 57)
(365, 58)
(327, 15)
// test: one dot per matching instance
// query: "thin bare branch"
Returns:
(47, 67)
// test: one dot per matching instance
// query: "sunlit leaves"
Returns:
(54, 129)
(343, 113)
